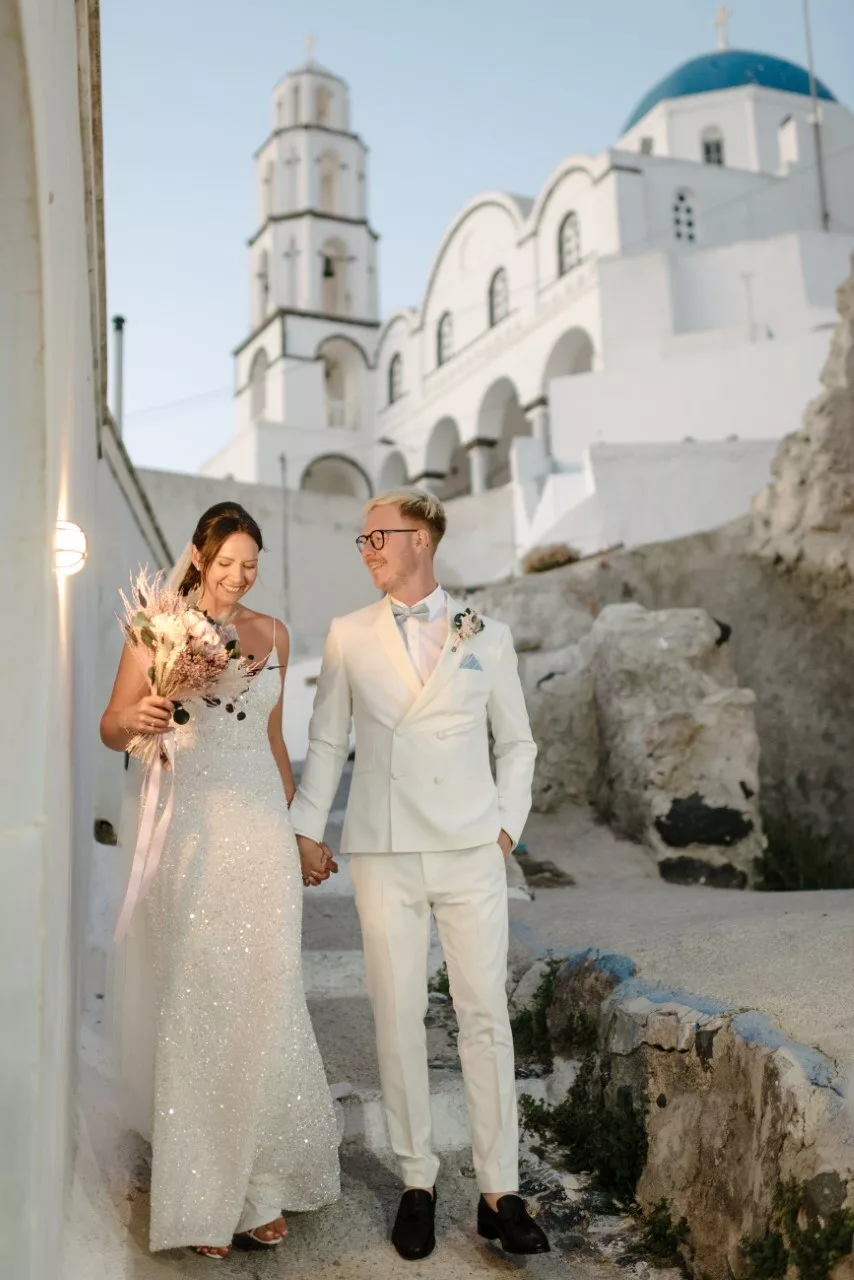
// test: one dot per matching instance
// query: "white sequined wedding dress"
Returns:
(243, 1121)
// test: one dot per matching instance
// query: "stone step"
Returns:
(342, 973)
(361, 1118)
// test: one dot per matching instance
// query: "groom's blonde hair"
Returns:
(417, 505)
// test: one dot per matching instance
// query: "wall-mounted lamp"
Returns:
(70, 548)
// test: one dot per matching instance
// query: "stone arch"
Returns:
(446, 469)
(499, 421)
(258, 384)
(393, 473)
(328, 182)
(344, 364)
(334, 473)
(572, 353)
(334, 266)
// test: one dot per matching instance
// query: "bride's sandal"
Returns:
(250, 1240)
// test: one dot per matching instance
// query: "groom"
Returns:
(429, 829)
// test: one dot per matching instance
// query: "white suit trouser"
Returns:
(466, 890)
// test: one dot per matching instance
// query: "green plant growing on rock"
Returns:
(440, 982)
(798, 857)
(531, 1040)
(811, 1250)
(661, 1239)
(586, 1133)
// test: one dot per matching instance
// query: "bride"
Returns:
(243, 1126)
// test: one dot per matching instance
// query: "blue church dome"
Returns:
(728, 69)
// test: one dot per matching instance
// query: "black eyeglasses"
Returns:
(377, 537)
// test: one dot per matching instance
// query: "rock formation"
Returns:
(804, 519)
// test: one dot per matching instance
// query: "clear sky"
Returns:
(452, 96)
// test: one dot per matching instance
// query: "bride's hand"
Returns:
(314, 861)
(150, 715)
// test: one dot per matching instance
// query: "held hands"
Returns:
(505, 843)
(150, 715)
(318, 861)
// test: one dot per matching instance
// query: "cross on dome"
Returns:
(309, 47)
(722, 18)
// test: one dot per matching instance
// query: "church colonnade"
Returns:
(469, 452)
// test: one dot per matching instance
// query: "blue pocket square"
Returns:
(470, 663)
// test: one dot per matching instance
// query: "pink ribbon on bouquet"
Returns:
(150, 838)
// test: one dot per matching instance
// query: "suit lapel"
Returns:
(446, 666)
(388, 634)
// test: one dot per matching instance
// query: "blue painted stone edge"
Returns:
(751, 1026)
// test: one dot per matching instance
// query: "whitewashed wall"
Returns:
(641, 493)
(757, 390)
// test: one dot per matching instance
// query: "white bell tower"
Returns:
(304, 380)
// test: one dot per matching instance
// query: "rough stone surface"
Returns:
(737, 1107)
(560, 694)
(804, 519)
(679, 739)
(540, 617)
(526, 990)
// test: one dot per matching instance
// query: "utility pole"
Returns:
(286, 583)
(118, 372)
(816, 124)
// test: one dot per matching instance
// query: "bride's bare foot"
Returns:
(264, 1237)
(211, 1251)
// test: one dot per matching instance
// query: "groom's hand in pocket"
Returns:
(505, 843)
(316, 861)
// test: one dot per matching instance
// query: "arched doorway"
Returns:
(499, 421)
(335, 474)
(446, 469)
(344, 366)
(393, 473)
(334, 264)
(571, 354)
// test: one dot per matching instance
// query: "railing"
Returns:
(342, 413)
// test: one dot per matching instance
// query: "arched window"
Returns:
(499, 297)
(395, 378)
(258, 385)
(322, 99)
(329, 166)
(684, 221)
(713, 145)
(568, 244)
(444, 338)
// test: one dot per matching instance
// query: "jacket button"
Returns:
(439, 778)
(394, 776)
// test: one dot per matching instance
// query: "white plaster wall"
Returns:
(758, 391)
(479, 545)
(792, 283)
(655, 492)
(51, 328)
(123, 541)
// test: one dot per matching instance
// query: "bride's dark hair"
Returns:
(215, 526)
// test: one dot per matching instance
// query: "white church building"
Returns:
(623, 350)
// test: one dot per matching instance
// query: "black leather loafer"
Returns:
(413, 1234)
(512, 1225)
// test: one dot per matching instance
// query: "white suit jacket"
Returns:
(422, 780)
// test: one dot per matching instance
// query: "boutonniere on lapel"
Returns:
(467, 625)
